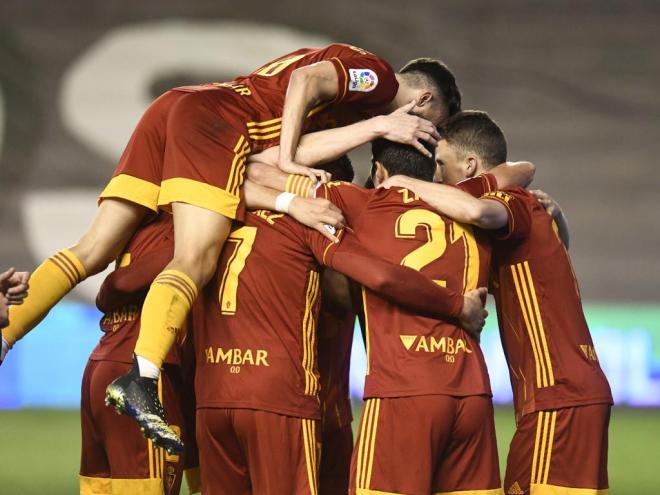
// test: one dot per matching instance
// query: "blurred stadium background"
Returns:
(575, 86)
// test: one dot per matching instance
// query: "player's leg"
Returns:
(470, 463)
(336, 452)
(560, 451)
(131, 194)
(203, 170)
(398, 442)
(113, 226)
(94, 466)
(223, 465)
(282, 452)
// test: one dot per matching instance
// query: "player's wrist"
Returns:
(283, 201)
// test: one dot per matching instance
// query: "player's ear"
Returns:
(424, 98)
(380, 173)
(471, 165)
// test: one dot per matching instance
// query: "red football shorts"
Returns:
(336, 451)
(560, 452)
(245, 451)
(190, 146)
(434, 444)
(115, 457)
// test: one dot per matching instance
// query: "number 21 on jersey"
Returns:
(436, 243)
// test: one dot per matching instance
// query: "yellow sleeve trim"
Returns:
(198, 194)
(132, 189)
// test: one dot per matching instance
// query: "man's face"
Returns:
(452, 170)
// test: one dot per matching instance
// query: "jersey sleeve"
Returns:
(478, 186)
(399, 284)
(519, 211)
(349, 198)
(365, 79)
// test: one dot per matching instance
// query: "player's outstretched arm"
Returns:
(555, 211)
(331, 144)
(457, 204)
(511, 174)
(402, 285)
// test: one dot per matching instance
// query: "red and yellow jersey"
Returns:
(546, 339)
(255, 322)
(335, 337)
(121, 325)
(411, 354)
(366, 86)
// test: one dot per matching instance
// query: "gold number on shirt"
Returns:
(278, 66)
(436, 243)
(243, 239)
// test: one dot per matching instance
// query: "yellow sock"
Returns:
(49, 283)
(166, 306)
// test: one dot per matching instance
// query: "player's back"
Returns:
(545, 335)
(255, 324)
(410, 354)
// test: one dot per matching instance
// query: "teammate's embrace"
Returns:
(187, 155)
(561, 396)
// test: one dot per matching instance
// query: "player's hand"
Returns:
(551, 206)
(473, 314)
(14, 286)
(402, 127)
(318, 214)
(4, 311)
(315, 174)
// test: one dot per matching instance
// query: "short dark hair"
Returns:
(474, 131)
(403, 159)
(341, 169)
(441, 77)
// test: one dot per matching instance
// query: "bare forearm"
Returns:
(300, 98)
(460, 205)
(511, 174)
(259, 197)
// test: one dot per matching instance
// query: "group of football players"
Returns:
(244, 254)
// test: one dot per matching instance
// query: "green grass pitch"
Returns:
(40, 449)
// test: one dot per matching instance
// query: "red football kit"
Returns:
(335, 339)
(561, 396)
(255, 338)
(116, 458)
(426, 377)
(192, 143)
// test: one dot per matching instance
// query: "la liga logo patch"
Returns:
(364, 80)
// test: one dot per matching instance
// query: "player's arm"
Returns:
(455, 203)
(308, 86)
(405, 286)
(511, 174)
(555, 211)
(317, 214)
(328, 145)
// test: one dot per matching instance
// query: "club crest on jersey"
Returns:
(364, 80)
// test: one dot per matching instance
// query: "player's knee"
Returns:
(200, 267)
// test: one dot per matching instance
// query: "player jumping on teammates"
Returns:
(561, 395)
(187, 155)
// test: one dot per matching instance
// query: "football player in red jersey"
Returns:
(561, 395)
(187, 155)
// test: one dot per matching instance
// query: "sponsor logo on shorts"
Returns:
(363, 80)
(446, 345)
(515, 490)
(237, 357)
